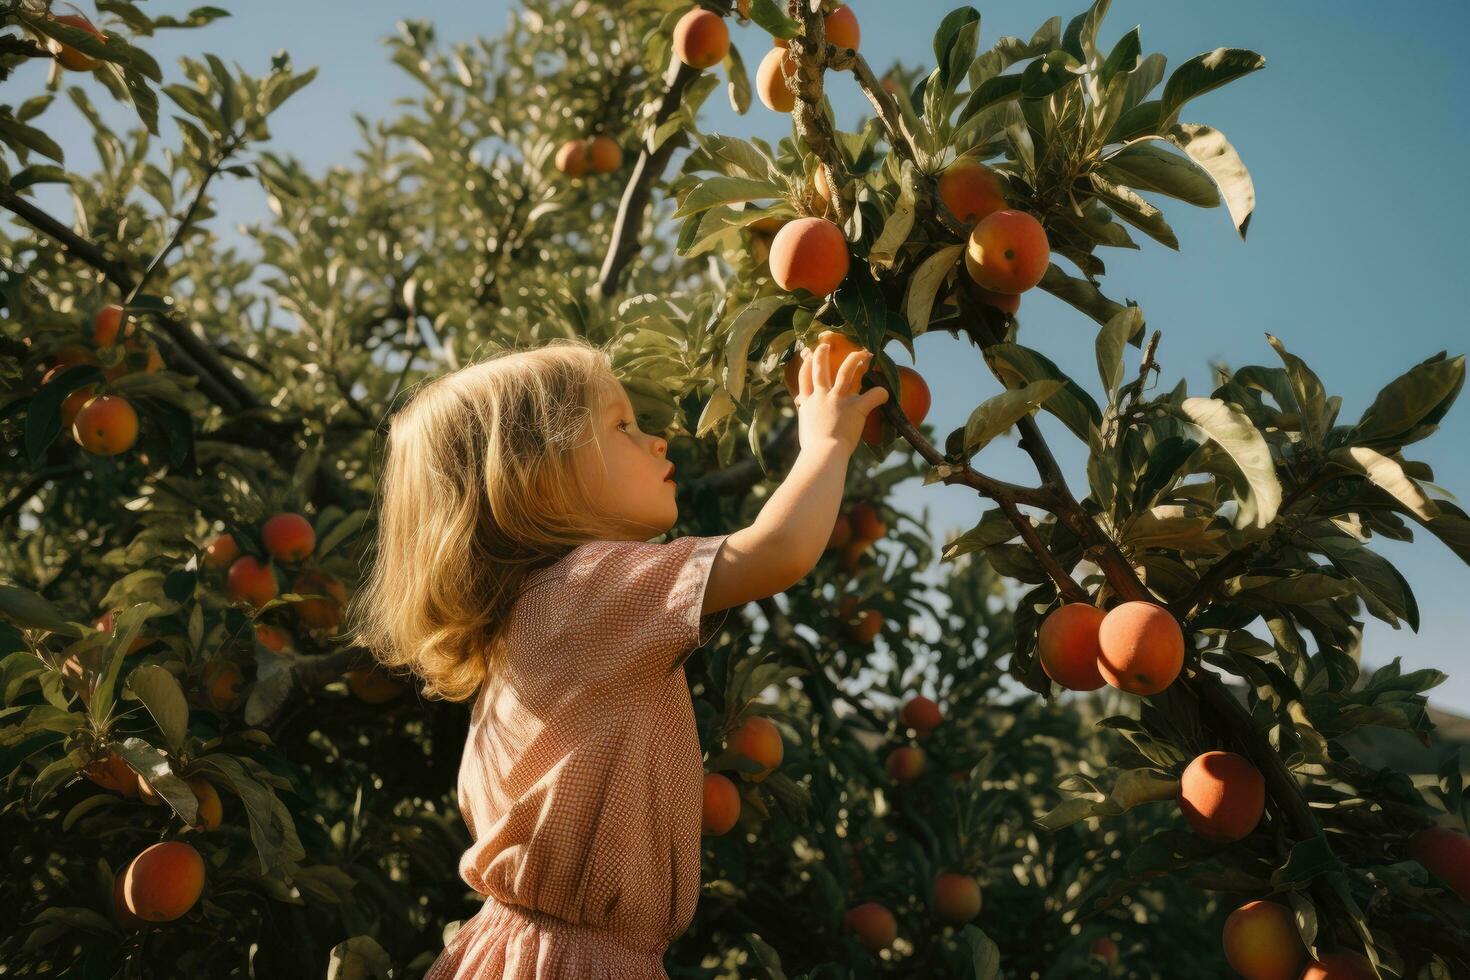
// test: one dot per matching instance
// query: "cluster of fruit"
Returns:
(105, 424)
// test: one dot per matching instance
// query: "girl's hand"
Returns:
(824, 415)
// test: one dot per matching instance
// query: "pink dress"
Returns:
(582, 780)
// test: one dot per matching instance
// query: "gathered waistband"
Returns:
(496, 911)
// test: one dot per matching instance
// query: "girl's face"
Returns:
(631, 482)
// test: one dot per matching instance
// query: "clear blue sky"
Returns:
(1354, 133)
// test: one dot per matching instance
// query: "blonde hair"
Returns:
(481, 486)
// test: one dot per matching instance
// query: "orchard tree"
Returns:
(201, 777)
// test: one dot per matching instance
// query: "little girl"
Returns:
(512, 566)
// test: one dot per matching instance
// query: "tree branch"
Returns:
(628, 225)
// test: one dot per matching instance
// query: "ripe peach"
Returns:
(875, 926)
(1141, 648)
(147, 794)
(69, 56)
(1343, 965)
(1066, 645)
(840, 347)
(74, 401)
(904, 764)
(288, 537)
(323, 614)
(106, 425)
(956, 897)
(221, 551)
(120, 913)
(220, 681)
(866, 524)
(155, 360)
(721, 804)
(770, 80)
(841, 533)
(971, 190)
(1262, 943)
(1005, 302)
(114, 774)
(852, 554)
(163, 882)
(842, 28)
(861, 626)
(573, 158)
(604, 155)
(758, 739)
(920, 714)
(1104, 949)
(913, 400)
(1222, 795)
(373, 686)
(810, 254)
(1007, 252)
(791, 374)
(211, 810)
(106, 324)
(1445, 854)
(250, 580)
(701, 38)
(273, 638)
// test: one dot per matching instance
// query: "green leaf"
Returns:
(1140, 120)
(898, 224)
(19, 134)
(924, 284)
(280, 86)
(998, 413)
(1132, 208)
(1210, 149)
(31, 611)
(1133, 786)
(1017, 365)
(1047, 74)
(1386, 474)
(1123, 57)
(1079, 293)
(742, 330)
(739, 81)
(984, 953)
(160, 693)
(769, 18)
(1111, 340)
(1148, 167)
(1306, 387)
(994, 528)
(1308, 859)
(1203, 73)
(1233, 432)
(726, 190)
(954, 45)
(1408, 399)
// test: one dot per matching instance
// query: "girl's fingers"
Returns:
(822, 373)
(804, 377)
(849, 376)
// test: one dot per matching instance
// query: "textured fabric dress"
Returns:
(582, 780)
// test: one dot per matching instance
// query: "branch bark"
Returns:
(628, 226)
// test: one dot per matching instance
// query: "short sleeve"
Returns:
(636, 606)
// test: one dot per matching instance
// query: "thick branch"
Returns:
(120, 275)
(628, 225)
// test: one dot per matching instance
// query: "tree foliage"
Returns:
(1247, 511)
